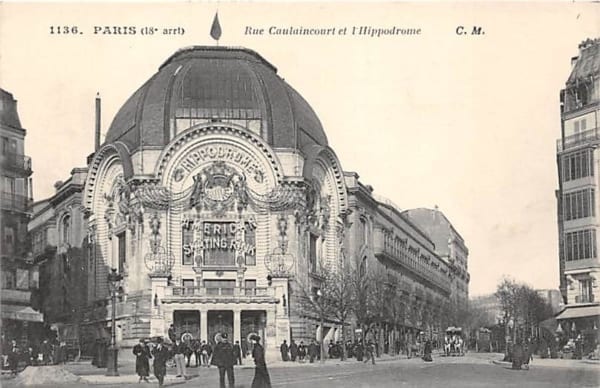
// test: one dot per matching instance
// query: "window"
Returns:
(66, 230)
(8, 185)
(585, 291)
(5, 145)
(579, 204)
(219, 287)
(250, 287)
(580, 245)
(577, 165)
(250, 240)
(312, 252)
(122, 249)
(187, 238)
(363, 268)
(8, 279)
(9, 240)
(364, 230)
(218, 238)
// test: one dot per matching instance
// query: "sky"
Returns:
(467, 123)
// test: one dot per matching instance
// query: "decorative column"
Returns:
(204, 325)
(159, 262)
(270, 341)
(237, 326)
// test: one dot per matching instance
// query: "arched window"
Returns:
(66, 230)
(363, 267)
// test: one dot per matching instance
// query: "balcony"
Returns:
(387, 249)
(591, 135)
(215, 294)
(15, 202)
(16, 162)
(15, 296)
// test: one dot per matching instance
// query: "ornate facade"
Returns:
(217, 197)
(214, 190)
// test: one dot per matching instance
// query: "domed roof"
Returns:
(203, 84)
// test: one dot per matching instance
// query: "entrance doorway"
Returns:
(187, 322)
(252, 322)
(219, 322)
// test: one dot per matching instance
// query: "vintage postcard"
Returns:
(321, 193)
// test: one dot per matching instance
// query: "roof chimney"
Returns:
(97, 130)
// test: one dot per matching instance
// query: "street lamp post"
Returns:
(113, 285)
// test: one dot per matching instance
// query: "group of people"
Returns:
(48, 352)
(300, 352)
(224, 356)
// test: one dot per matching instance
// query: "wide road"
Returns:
(459, 372)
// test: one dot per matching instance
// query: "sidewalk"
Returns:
(554, 363)
(97, 376)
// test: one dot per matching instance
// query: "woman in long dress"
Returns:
(142, 357)
(261, 375)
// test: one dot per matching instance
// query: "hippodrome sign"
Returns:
(207, 153)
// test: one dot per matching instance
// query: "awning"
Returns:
(579, 312)
(20, 313)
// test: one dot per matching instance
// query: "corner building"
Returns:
(578, 162)
(214, 174)
(21, 320)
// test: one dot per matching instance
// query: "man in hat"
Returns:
(161, 355)
(224, 359)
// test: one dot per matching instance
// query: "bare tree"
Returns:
(522, 306)
(331, 296)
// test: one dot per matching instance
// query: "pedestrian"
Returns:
(142, 360)
(261, 375)
(179, 358)
(237, 353)
(517, 355)
(161, 355)
(187, 352)
(427, 351)
(359, 351)
(13, 357)
(172, 333)
(370, 353)
(313, 351)
(206, 350)
(293, 350)
(47, 352)
(244, 347)
(301, 352)
(223, 358)
(527, 354)
(284, 351)
(196, 350)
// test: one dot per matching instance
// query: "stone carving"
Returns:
(159, 261)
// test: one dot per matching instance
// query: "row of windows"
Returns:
(578, 165)
(579, 204)
(580, 245)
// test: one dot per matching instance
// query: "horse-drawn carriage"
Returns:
(453, 342)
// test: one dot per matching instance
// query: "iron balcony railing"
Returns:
(384, 245)
(218, 292)
(571, 141)
(16, 161)
(13, 201)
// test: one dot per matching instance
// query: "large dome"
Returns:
(200, 84)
